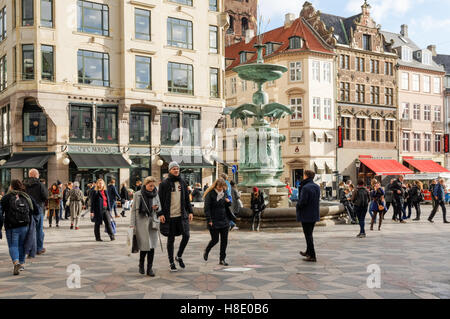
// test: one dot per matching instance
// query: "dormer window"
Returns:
(243, 57)
(295, 43)
(367, 42)
(406, 54)
(269, 48)
(426, 58)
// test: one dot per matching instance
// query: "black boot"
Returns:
(141, 262)
(150, 256)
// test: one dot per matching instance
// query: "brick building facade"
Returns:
(243, 16)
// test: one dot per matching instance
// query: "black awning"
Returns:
(93, 161)
(28, 160)
(188, 161)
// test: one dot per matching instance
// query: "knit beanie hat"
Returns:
(172, 165)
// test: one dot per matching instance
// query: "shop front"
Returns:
(29, 160)
(379, 168)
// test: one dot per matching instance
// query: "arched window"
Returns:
(244, 25)
(295, 43)
(231, 28)
(34, 122)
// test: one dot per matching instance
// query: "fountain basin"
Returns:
(260, 73)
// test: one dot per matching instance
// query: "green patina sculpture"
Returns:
(260, 161)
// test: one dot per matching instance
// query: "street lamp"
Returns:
(159, 163)
(358, 165)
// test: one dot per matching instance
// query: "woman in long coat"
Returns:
(145, 223)
(54, 200)
(100, 209)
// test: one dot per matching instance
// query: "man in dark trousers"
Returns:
(431, 189)
(439, 197)
(39, 193)
(113, 196)
(176, 213)
(308, 212)
(398, 198)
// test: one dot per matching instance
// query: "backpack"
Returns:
(362, 197)
(19, 214)
(75, 195)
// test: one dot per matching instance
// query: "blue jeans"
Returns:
(16, 241)
(361, 213)
(40, 232)
(61, 209)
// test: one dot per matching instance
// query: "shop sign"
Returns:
(94, 149)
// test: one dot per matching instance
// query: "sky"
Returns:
(428, 20)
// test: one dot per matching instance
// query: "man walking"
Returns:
(398, 198)
(308, 212)
(39, 193)
(439, 197)
(176, 213)
(113, 196)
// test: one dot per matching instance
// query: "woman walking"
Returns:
(17, 208)
(124, 198)
(217, 214)
(145, 223)
(360, 199)
(258, 206)
(417, 198)
(76, 204)
(54, 201)
(100, 210)
(378, 205)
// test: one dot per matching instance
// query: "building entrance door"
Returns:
(297, 177)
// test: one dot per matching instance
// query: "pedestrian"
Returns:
(76, 205)
(37, 190)
(61, 204)
(54, 202)
(345, 199)
(308, 213)
(137, 185)
(67, 189)
(408, 202)
(398, 198)
(197, 193)
(431, 189)
(101, 210)
(17, 208)
(87, 202)
(236, 203)
(176, 213)
(257, 205)
(228, 193)
(218, 216)
(145, 223)
(388, 194)
(113, 196)
(124, 198)
(439, 196)
(378, 205)
(416, 198)
(189, 188)
(205, 187)
(360, 199)
(289, 188)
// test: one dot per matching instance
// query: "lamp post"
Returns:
(358, 165)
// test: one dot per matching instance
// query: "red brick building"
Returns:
(243, 16)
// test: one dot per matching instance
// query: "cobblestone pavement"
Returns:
(414, 260)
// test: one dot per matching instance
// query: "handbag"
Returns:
(154, 221)
(134, 247)
(126, 206)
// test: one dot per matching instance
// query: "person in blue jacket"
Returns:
(439, 197)
(308, 212)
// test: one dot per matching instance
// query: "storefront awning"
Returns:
(385, 167)
(28, 160)
(93, 161)
(426, 166)
(188, 161)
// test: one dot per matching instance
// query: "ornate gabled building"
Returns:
(242, 14)
(366, 84)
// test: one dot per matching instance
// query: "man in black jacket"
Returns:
(398, 198)
(113, 196)
(39, 193)
(176, 213)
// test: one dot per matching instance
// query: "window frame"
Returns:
(24, 21)
(214, 93)
(80, 111)
(140, 35)
(190, 76)
(147, 63)
(103, 12)
(297, 108)
(28, 76)
(296, 69)
(170, 129)
(51, 22)
(42, 117)
(52, 76)
(214, 30)
(106, 109)
(105, 59)
(189, 33)
(140, 131)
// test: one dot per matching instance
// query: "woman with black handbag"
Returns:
(145, 223)
(257, 206)
(100, 209)
(218, 216)
(378, 205)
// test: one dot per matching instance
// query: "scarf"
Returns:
(172, 180)
(55, 191)
(148, 198)
(220, 195)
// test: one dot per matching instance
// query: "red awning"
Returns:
(426, 166)
(385, 167)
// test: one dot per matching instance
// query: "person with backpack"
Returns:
(17, 208)
(439, 196)
(416, 198)
(257, 205)
(67, 188)
(360, 199)
(388, 195)
(76, 204)
(54, 202)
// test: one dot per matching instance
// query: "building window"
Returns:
(179, 33)
(416, 82)
(416, 142)
(191, 129)
(437, 113)
(374, 66)
(180, 78)
(244, 85)
(426, 58)
(406, 54)
(34, 124)
(405, 142)
(297, 108)
(437, 143)
(360, 129)
(93, 18)
(269, 48)
(106, 124)
(345, 123)
(3, 73)
(296, 136)
(295, 43)
(375, 95)
(295, 71)
(80, 123)
(327, 109)
(416, 111)
(427, 144)
(3, 25)
(389, 96)
(389, 131)
(426, 84)
(243, 57)
(233, 86)
(316, 70)
(48, 70)
(360, 93)
(27, 62)
(213, 39)
(185, 2)
(316, 108)
(427, 112)
(213, 5)
(143, 72)
(327, 72)
(405, 81)
(375, 125)
(244, 25)
(170, 128)
(14, 64)
(345, 91)
(344, 62)
(367, 42)
(139, 127)
(142, 19)
(437, 85)
(405, 111)
(93, 68)
(27, 13)
(360, 64)
(47, 13)
(388, 68)
(5, 126)
(141, 168)
(214, 82)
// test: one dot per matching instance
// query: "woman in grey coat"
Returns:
(145, 222)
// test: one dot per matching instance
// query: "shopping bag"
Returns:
(129, 241)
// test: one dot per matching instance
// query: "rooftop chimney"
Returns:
(289, 19)
(249, 35)
(404, 30)
(432, 48)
